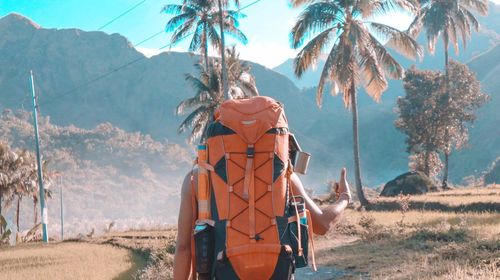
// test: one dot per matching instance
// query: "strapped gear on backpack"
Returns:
(250, 226)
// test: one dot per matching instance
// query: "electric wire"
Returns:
(100, 77)
(121, 15)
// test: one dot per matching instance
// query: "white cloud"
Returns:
(268, 54)
(149, 52)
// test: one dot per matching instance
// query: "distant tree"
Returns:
(357, 53)
(463, 97)
(419, 117)
(419, 162)
(209, 94)
(201, 17)
(18, 179)
(436, 120)
(449, 20)
(7, 165)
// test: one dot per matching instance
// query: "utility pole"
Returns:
(39, 163)
(62, 208)
(225, 88)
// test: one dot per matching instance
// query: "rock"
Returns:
(413, 182)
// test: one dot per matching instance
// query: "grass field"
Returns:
(415, 243)
(444, 235)
(67, 260)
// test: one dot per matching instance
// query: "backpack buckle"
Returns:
(250, 151)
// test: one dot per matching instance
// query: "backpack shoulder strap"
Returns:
(194, 207)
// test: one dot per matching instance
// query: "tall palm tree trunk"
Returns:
(448, 151)
(35, 213)
(223, 55)
(17, 212)
(206, 45)
(357, 169)
(1, 198)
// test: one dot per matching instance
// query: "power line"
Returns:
(149, 38)
(121, 15)
(89, 82)
(54, 98)
(249, 5)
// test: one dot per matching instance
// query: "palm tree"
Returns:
(240, 82)
(207, 99)
(357, 54)
(221, 5)
(209, 94)
(449, 20)
(7, 160)
(200, 17)
(34, 192)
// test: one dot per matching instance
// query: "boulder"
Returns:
(413, 182)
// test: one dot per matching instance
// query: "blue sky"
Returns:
(267, 24)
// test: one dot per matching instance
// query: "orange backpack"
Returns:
(249, 223)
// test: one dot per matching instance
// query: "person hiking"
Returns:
(244, 213)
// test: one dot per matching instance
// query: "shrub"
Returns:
(453, 234)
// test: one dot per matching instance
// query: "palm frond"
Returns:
(214, 37)
(235, 33)
(388, 63)
(480, 6)
(182, 32)
(309, 55)
(192, 119)
(197, 37)
(187, 104)
(315, 18)
(374, 81)
(327, 74)
(177, 22)
(172, 9)
(400, 41)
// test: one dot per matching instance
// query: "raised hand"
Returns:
(342, 187)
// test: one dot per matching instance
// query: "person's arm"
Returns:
(182, 259)
(324, 219)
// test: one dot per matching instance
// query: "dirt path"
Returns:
(328, 243)
(323, 273)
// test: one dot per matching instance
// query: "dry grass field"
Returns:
(415, 243)
(444, 235)
(67, 260)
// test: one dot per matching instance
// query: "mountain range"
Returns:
(88, 78)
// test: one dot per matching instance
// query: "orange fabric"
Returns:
(251, 118)
(193, 219)
(250, 200)
(254, 261)
(311, 238)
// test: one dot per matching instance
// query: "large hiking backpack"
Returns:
(250, 225)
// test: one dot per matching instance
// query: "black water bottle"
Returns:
(204, 250)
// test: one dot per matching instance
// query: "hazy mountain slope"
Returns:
(107, 174)
(140, 97)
